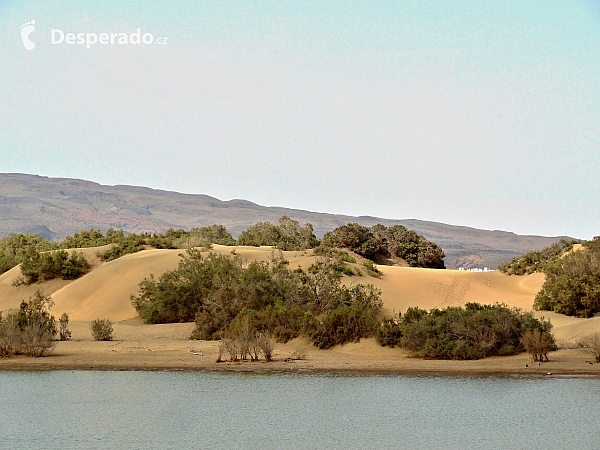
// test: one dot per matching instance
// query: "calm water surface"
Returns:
(140, 410)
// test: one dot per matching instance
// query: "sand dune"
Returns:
(11, 296)
(105, 293)
(106, 290)
(403, 287)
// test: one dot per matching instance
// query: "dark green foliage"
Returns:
(178, 294)
(92, 238)
(38, 266)
(197, 237)
(35, 312)
(215, 234)
(102, 330)
(346, 323)
(389, 332)
(131, 244)
(473, 332)
(537, 260)
(394, 242)
(288, 235)
(572, 284)
(220, 291)
(13, 249)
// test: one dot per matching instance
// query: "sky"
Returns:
(483, 114)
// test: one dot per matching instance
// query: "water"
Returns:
(141, 410)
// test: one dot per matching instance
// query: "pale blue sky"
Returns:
(483, 114)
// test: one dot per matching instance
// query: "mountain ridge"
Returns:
(57, 207)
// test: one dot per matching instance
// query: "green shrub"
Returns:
(473, 332)
(389, 332)
(64, 332)
(130, 244)
(102, 329)
(288, 235)
(537, 260)
(395, 242)
(38, 266)
(13, 249)
(30, 330)
(219, 292)
(572, 285)
(346, 323)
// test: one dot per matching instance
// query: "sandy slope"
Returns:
(403, 287)
(11, 296)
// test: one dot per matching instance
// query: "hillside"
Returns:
(57, 207)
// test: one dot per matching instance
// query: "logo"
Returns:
(58, 37)
(26, 30)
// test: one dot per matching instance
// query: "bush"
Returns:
(394, 242)
(591, 344)
(38, 266)
(473, 332)
(133, 243)
(36, 341)
(372, 269)
(10, 336)
(64, 332)
(346, 323)
(224, 295)
(538, 343)
(572, 285)
(30, 330)
(13, 249)
(389, 333)
(537, 260)
(101, 329)
(288, 235)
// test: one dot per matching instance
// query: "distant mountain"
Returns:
(58, 207)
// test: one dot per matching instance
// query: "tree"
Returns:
(538, 343)
(591, 344)
(64, 332)
(572, 285)
(37, 326)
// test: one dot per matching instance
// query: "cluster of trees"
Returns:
(13, 249)
(31, 329)
(473, 332)
(572, 285)
(220, 293)
(42, 260)
(37, 266)
(288, 235)
(537, 260)
(395, 242)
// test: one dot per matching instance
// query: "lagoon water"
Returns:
(141, 410)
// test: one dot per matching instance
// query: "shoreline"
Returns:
(320, 372)
(167, 347)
